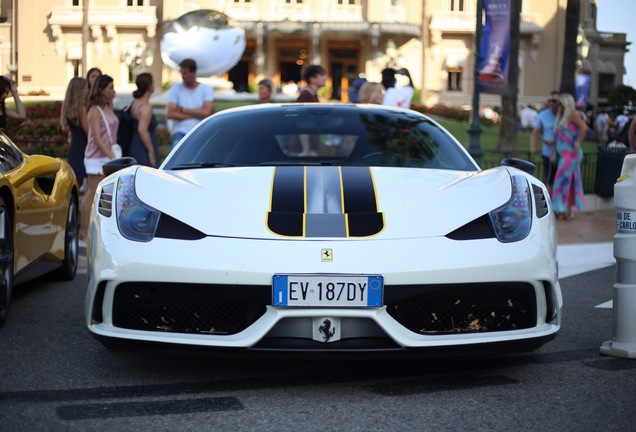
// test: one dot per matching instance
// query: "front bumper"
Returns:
(241, 270)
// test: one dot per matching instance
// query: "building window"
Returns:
(454, 79)
(605, 84)
(135, 2)
(592, 11)
(346, 2)
(76, 2)
(293, 1)
(457, 5)
(76, 67)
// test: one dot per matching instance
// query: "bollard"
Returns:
(623, 342)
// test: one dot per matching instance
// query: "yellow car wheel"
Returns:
(71, 246)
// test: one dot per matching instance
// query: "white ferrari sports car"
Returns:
(323, 228)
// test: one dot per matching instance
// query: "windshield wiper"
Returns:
(201, 165)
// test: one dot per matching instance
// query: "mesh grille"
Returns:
(183, 308)
(468, 308)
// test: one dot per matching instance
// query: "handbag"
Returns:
(115, 148)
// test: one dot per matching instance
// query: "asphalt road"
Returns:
(55, 377)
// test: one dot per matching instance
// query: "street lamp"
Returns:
(582, 48)
(137, 58)
(13, 70)
(474, 130)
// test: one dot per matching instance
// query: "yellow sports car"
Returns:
(39, 216)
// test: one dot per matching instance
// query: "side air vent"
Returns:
(105, 204)
(541, 201)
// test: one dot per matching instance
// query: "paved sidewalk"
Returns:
(586, 242)
(588, 227)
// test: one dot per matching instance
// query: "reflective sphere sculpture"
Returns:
(208, 37)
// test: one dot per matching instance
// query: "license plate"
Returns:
(328, 290)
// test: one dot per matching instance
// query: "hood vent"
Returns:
(105, 204)
(540, 200)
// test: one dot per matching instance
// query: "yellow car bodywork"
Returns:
(40, 197)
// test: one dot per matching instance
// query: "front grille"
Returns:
(187, 308)
(465, 308)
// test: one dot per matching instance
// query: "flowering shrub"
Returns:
(165, 141)
(41, 132)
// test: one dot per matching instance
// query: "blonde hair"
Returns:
(74, 101)
(569, 109)
(369, 91)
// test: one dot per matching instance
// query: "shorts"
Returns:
(94, 165)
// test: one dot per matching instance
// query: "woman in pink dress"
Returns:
(567, 193)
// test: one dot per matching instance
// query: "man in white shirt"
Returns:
(528, 117)
(189, 102)
(397, 96)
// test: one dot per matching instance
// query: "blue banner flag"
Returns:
(582, 90)
(494, 47)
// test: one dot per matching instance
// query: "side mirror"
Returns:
(35, 166)
(521, 164)
(118, 164)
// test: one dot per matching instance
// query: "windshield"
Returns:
(320, 135)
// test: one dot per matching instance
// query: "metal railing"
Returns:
(599, 170)
(596, 178)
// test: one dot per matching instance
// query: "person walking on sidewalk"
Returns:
(545, 125)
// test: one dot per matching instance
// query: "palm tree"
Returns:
(508, 129)
(568, 70)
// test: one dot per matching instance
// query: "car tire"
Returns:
(6, 261)
(71, 243)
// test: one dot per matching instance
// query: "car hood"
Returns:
(292, 202)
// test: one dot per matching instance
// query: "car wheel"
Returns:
(71, 246)
(6, 261)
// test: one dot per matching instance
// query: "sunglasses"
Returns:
(553, 101)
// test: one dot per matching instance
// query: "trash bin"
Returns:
(609, 163)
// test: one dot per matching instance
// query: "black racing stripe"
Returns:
(360, 204)
(288, 190)
(365, 224)
(286, 224)
(287, 202)
(358, 189)
(287, 216)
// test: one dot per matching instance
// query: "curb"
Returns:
(595, 203)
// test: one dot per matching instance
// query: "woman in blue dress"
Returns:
(144, 144)
(74, 119)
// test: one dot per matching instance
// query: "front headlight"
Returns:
(136, 220)
(512, 221)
